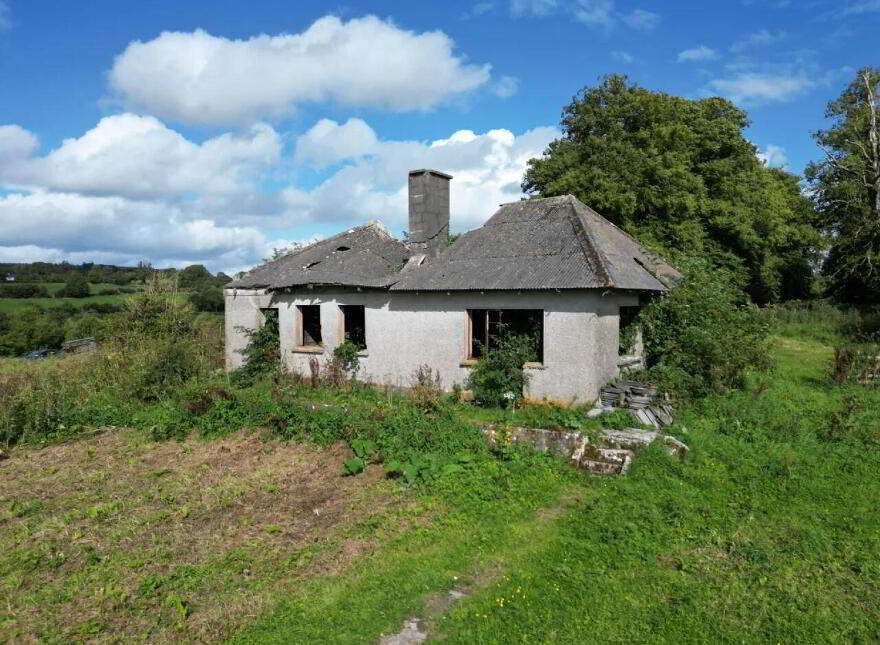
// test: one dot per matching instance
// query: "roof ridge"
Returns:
(533, 199)
(592, 211)
(597, 257)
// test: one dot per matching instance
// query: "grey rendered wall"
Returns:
(405, 330)
(242, 310)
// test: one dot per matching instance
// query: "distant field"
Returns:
(10, 304)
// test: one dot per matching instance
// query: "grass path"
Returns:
(464, 550)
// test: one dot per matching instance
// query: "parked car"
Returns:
(37, 354)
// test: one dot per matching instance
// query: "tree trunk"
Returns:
(873, 138)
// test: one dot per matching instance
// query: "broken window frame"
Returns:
(354, 325)
(484, 326)
(307, 317)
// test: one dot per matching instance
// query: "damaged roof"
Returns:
(551, 243)
(364, 256)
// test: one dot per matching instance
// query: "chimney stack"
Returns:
(428, 211)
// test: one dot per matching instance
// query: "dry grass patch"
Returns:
(115, 537)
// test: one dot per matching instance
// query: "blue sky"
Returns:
(212, 131)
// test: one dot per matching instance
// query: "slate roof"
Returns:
(364, 256)
(552, 243)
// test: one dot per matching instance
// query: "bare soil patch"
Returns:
(116, 537)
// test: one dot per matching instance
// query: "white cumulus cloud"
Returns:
(16, 144)
(487, 170)
(66, 225)
(138, 156)
(199, 78)
(133, 189)
(327, 142)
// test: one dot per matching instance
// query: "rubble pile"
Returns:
(639, 399)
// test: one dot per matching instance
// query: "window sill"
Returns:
(471, 362)
(308, 349)
(627, 361)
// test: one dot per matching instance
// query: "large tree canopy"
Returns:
(846, 189)
(679, 174)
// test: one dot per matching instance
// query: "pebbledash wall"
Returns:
(405, 330)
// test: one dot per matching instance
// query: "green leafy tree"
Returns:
(30, 328)
(76, 287)
(846, 190)
(208, 298)
(158, 310)
(193, 276)
(679, 174)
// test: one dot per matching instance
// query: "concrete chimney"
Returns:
(428, 211)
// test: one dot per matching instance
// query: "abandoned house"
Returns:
(553, 268)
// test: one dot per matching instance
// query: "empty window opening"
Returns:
(310, 325)
(487, 326)
(354, 325)
(270, 316)
(629, 330)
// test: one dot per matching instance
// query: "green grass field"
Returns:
(11, 304)
(766, 532)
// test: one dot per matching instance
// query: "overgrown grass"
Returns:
(766, 532)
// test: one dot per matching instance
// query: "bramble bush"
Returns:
(262, 355)
(703, 335)
(498, 379)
